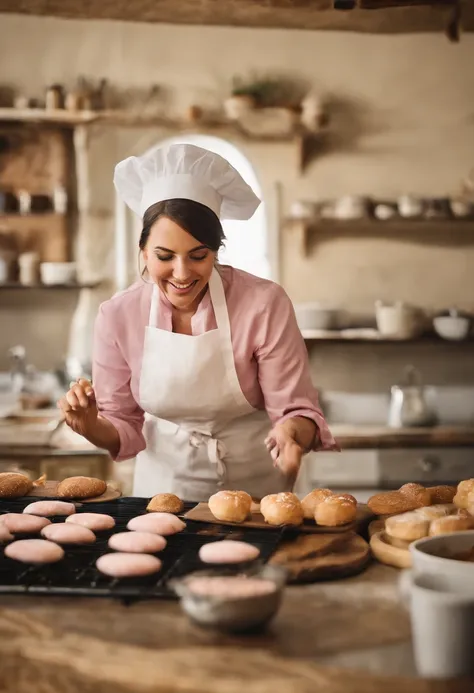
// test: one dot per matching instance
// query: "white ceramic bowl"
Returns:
(428, 557)
(316, 316)
(52, 273)
(452, 327)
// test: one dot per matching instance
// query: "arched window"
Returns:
(246, 245)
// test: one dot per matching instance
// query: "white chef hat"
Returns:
(184, 171)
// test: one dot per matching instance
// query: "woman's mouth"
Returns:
(182, 289)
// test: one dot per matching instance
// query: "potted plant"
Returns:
(256, 92)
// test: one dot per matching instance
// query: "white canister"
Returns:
(28, 264)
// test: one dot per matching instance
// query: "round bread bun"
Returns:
(50, 508)
(451, 523)
(97, 522)
(431, 512)
(63, 533)
(348, 497)
(334, 512)
(314, 498)
(4, 533)
(228, 551)
(81, 487)
(157, 523)
(230, 506)
(120, 565)
(18, 523)
(137, 542)
(34, 551)
(418, 493)
(165, 503)
(462, 492)
(282, 509)
(441, 494)
(13, 485)
(391, 503)
(407, 526)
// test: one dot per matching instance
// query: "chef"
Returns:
(199, 369)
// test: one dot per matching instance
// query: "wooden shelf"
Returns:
(307, 230)
(306, 140)
(368, 335)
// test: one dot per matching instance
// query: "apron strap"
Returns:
(155, 297)
(216, 290)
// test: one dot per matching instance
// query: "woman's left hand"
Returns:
(284, 447)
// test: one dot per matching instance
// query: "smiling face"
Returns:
(178, 263)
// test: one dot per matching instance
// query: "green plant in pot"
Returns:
(257, 92)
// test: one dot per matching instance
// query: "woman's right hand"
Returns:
(79, 407)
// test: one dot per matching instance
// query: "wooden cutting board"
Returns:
(314, 557)
(48, 490)
(384, 552)
(201, 513)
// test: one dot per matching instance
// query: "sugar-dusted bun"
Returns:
(451, 523)
(282, 509)
(313, 499)
(462, 492)
(391, 503)
(407, 526)
(348, 497)
(165, 503)
(418, 493)
(431, 512)
(230, 506)
(442, 494)
(14, 485)
(81, 487)
(335, 511)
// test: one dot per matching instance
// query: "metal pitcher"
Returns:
(408, 405)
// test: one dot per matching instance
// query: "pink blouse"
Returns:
(270, 355)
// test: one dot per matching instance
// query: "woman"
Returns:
(200, 370)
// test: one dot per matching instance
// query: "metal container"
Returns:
(408, 405)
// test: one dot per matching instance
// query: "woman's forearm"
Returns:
(104, 435)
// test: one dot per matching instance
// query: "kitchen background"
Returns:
(364, 156)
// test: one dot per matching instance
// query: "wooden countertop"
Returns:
(358, 437)
(326, 637)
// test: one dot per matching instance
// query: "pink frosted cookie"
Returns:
(50, 508)
(34, 551)
(94, 521)
(157, 523)
(137, 542)
(68, 534)
(228, 551)
(120, 565)
(17, 523)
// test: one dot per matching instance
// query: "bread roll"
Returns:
(434, 511)
(391, 503)
(50, 508)
(348, 497)
(163, 524)
(18, 523)
(96, 522)
(418, 493)
(120, 565)
(228, 551)
(335, 511)
(230, 506)
(165, 503)
(81, 487)
(35, 551)
(137, 542)
(13, 485)
(462, 492)
(62, 533)
(282, 509)
(407, 526)
(442, 494)
(313, 499)
(451, 523)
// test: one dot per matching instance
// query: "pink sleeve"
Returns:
(111, 379)
(283, 369)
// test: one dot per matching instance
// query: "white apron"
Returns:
(201, 433)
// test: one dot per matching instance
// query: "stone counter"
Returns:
(348, 636)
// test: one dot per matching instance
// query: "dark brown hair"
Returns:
(197, 219)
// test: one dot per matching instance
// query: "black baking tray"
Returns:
(76, 574)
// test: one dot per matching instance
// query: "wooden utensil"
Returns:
(201, 513)
(314, 557)
(388, 554)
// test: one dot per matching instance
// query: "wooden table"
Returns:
(350, 636)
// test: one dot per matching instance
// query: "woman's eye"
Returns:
(198, 258)
(164, 258)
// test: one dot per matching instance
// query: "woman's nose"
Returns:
(181, 269)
